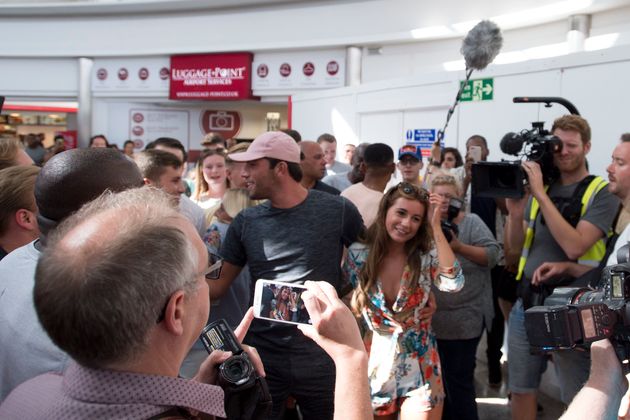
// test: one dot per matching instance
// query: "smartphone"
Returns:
(279, 301)
(475, 153)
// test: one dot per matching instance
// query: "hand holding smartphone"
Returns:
(279, 301)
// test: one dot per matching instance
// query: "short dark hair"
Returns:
(329, 138)
(168, 142)
(625, 137)
(378, 155)
(458, 156)
(477, 137)
(295, 171)
(153, 163)
(294, 134)
(129, 142)
(97, 136)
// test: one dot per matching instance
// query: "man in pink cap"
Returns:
(296, 235)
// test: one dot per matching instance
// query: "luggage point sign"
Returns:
(212, 77)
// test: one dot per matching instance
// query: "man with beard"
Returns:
(294, 236)
(567, 220)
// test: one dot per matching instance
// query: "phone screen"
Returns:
(280, 302)
(475, 153)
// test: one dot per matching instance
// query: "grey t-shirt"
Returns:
(339, 181)
(301, 243)
(600, 213)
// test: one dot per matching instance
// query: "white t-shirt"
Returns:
(365, 199)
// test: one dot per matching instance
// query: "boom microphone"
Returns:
(481, 45)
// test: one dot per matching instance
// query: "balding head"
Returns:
(313, 163)
(103, 281)
(75, 177)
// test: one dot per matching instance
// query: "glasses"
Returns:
(213, 272)
(408, 162)
(410, 189)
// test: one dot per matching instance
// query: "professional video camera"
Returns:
(574, 316)
(507, 178)
(448, 227)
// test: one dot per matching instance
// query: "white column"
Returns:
(579, 30)
(353, 66)
(84, 114)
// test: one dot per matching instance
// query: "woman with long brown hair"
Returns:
(404, 251)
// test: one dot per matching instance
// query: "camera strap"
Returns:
(248, 403)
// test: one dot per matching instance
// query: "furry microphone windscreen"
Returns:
(481, 45)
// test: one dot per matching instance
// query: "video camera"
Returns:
(575, 316)
(507, 178)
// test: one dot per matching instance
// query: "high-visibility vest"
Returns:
(595, 253)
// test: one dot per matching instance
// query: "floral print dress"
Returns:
(403, 357)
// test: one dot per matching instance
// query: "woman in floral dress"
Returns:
(392, 269)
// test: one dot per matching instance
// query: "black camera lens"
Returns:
(236, 370)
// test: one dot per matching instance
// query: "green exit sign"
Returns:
(478, 90)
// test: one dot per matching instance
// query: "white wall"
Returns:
(597, 83)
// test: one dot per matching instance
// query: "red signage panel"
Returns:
(212, 77)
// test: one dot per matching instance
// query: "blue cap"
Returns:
(410, 150)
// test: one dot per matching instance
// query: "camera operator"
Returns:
(128, 326)
(565, 221)
(461, 317)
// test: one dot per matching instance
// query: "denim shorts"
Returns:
(525, 369)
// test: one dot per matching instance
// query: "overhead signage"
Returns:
(478, 90)
(422, 137)
(226, 123)
(146, 76)
(214, 77)
(297, 71)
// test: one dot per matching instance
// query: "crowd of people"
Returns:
(113, 262)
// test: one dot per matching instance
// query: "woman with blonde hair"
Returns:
(460, 318)
(404, 251)
(211, 178)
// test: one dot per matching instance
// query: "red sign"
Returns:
(226, 123)
(308, 69)
(332, 68)
(214, 77)
(143, 73)
(69, 138)
(285, 69)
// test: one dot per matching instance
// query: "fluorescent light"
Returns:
(464, 27)
(532, 16)
(600, 42)
(510, 57)
(454, 65)
(431, 32)
(547, 51)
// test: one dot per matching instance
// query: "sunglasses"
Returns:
(410, 189)
(213, 272)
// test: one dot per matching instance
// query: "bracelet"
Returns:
(447, 270)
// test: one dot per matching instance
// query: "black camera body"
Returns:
(507, 179)
(574, 316)
(448, 227)
(246, 393)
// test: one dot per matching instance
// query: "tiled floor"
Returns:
(493, 403)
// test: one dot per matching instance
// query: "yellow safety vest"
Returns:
(594, 255)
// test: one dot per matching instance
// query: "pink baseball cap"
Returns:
(272, 144)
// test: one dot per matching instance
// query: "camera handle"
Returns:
(547, 100)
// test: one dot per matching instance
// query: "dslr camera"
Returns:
(574, 316)
(507, 178)
(448, 227)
